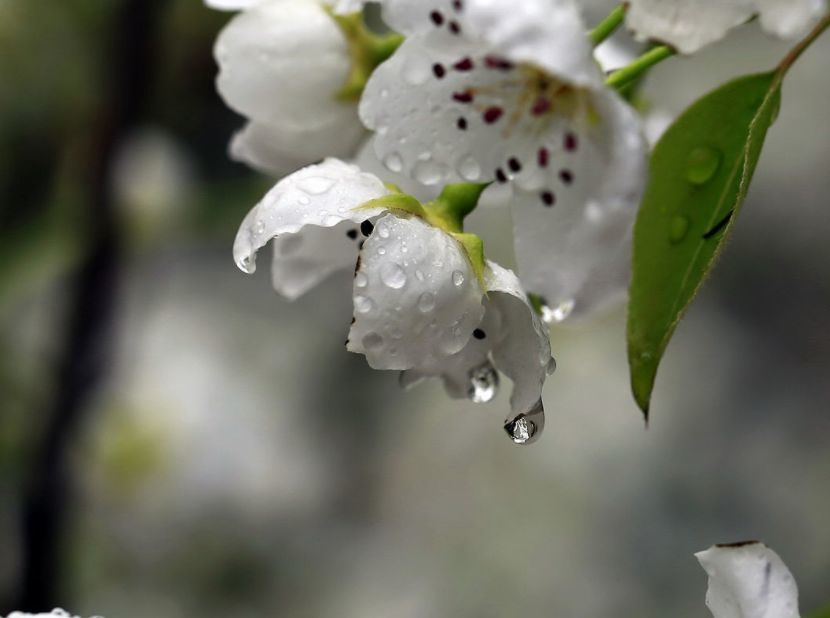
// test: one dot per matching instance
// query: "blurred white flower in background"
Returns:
(282, 64)
(689, 25)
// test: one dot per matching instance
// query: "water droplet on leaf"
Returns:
(702, 164)
(678, 228)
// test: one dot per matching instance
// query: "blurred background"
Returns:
(176, 440)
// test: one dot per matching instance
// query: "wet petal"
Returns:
(282, 62)
(280, 149)
(573, 235)
(321, 196)
(416, 298)
(748, 580)
(521, 349)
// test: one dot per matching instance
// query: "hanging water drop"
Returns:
(484, 383)
(526, 428)
(360, 280)
(557, 313)
(702, 164)
(428, 172)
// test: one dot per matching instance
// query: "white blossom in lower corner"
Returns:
(55, 613)
(420, 306)
(689, 25)
(748, 580)
(281, 65)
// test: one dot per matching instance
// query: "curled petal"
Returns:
(689, 25)
(573, 235)
(416, 298)
(280, 149)
(282, 62)
(327, 196)
(748, 580)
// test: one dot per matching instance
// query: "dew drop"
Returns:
(702, 164)
(393, 162)
(419, 275)
(678, 228)
(426, 302)
(259, 226)
(428, 172)
(363, 304)
(484, 383)
(551, 366)
(246, 264)
(304, 200)
(372, 341)
(381, 250)
(393, 275)
(457, 278)
(469, 169)
(526, 428)
(383, 230)
(315, 185)
(557, 313)
(361, 280)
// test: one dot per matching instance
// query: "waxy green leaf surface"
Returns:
(699, 176)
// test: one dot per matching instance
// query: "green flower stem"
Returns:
(608, 26)
(624, 76)
(455, 202)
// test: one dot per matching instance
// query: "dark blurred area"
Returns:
(175, 439)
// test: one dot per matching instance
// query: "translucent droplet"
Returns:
(393, 162)
(428, 172)
(457, 278)
(361, 280)
(259, 227)
(363, 304)
(702, 164)
(419, 275)
(315, 185)
(372, 341)
(484, 383)
(381, 250)
(526, 428)
(678, 228)
(392, 275)
(304, 200)
(426, 302)
(557, 313)
(469, 169)
(246, 264)
(383, 230)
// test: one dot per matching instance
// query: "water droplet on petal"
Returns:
(678, 228)
(393, 162)
(702, 164)
(315, 185)
(304, 200)
(457, 278)
(417, 70)
(361, 280)
(246, 264)
(381, 250)
(393, 275)
(428, 172)
(469, 169)
(363, 304)
(426, 302)
(557, 313)
(419, 275)
(259, 227)
(383, 229)
(372, 341)
(527, 427)
(484, 383)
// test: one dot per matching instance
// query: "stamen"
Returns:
(457, 5)
(566, 176)
(352, 234)
(548, 198)
(514, 164)
(500, 175)
(454, 27)
(498, 63)
(463, 97)
(571, 142)
(492, 114)
(367, 227)
(479, 334)
(462, 124)
(465, 64)
(436, 18)
(543, 156)
(540, 106)
(439, 70)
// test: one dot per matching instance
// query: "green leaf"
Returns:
(700, 174)
(824, 612)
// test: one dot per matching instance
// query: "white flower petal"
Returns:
(343, 7)
(522, 349)
(282, 62)
(748, 580)
(416, 298)
(283, 148)
(573, 236)
(325, 196)
(689, 25)
(232, 5)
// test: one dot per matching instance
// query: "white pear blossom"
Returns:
(748, 580)
(281, 65)
(420, 305)
(505, 90)
(55, 613)
(689, 25)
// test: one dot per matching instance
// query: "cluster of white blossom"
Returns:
(464, 93)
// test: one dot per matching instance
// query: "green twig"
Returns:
(624, 76)
(608, 25)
